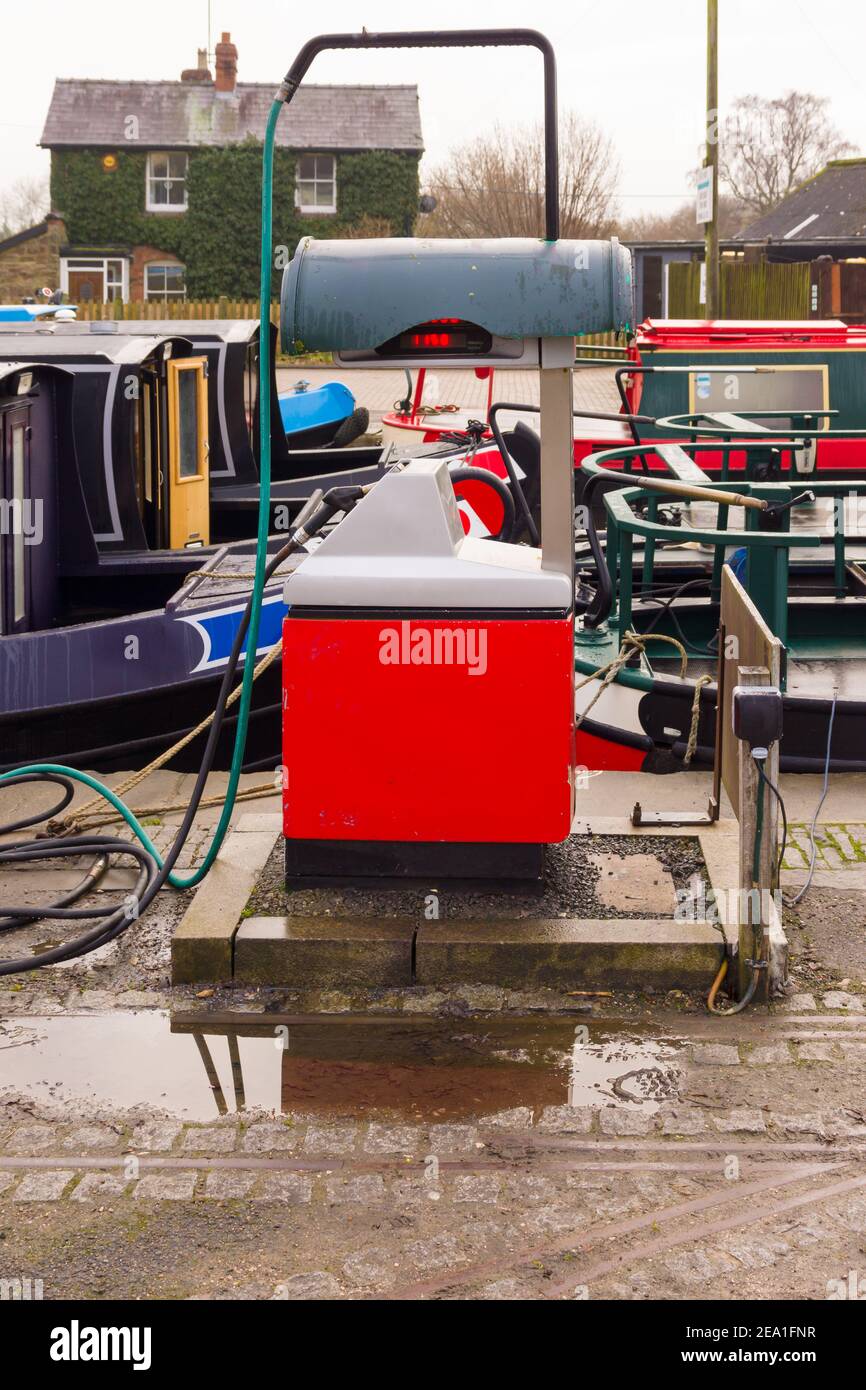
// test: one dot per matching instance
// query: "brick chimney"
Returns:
(201, 72)
(226, 65)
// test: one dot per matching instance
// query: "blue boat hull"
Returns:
(71, 695)
(313, 417)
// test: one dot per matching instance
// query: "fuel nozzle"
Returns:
(336, 499)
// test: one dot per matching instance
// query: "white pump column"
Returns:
(557, 456)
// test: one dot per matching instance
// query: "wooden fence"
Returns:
(176, 309)
(762, 291)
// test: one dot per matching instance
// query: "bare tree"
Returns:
(768, 147)
(22, 204)
(680, 225)
(494, 186)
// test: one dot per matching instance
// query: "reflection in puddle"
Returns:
(420, 1069)
(638, 1072)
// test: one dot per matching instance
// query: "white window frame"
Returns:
(100, 263)
(170, 208)
(316, 209)
(165, 298)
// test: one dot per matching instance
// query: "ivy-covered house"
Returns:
(158, 183)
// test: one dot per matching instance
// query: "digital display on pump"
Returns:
(438, 337)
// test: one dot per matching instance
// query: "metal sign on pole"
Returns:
(704, 195)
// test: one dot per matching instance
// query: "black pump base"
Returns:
(313, 862)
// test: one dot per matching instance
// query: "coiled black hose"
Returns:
(112, 921)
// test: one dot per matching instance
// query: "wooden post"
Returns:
(835, 289)
(713, 306)
(753, 905)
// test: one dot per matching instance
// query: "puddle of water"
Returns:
(424, 1070)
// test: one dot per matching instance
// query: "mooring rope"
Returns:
(77, 820)
(632, 642)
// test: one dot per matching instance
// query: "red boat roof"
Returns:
(691, 334)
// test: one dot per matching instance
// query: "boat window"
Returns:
(147, 439)
(791, 388)
(188, 429)
(188, 486)
(251, 388)
(19, 595)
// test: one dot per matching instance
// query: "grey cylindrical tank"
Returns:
(338, 295)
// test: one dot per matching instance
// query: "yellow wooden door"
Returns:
(189, 483)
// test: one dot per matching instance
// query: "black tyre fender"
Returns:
(354, 425)
(503, 492)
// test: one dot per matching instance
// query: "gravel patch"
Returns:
(569, 888)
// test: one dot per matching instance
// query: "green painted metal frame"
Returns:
(767, 551)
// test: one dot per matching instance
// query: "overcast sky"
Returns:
(636, 66)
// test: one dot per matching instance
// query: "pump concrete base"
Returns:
(515, 954)
(217, 942)
(565, 954)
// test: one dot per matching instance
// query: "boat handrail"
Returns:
(768, 549)
(617, 505)
(598, 463)
(723, 424)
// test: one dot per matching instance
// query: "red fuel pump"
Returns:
(408, 645)
(401, 632)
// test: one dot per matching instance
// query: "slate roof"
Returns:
(27, 234)
(183, 115)
(831, 205)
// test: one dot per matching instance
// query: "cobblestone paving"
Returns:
(749, 1181)
(696, 1199)
(378, 389)
(838, 846)
(672, 1219)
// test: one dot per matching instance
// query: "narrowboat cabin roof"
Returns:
(108, 444)
(231, 348)
(219, 330)
(9, 370)
(120, 349)
(704, 334)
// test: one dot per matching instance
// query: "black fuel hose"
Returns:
(112, 921)
(600, 607)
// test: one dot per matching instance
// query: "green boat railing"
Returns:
(799, 430)
(767, 540)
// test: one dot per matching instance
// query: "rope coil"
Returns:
(632, 643)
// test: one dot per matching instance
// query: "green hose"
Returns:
(759, 829)
(264, 398)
